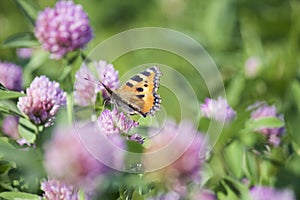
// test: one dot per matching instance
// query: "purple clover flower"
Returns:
(24, 53)
(67, 159)
(108, 76)
(269, 193)
(179, 149)
(199, 195)
(113, 122)
(86, 84)
(63, 29)
(10, 127)
(11, 76)
(56, 190)
(168, 196)
(252, 67)
(219, 110)
(84, 88)
(43, 100)
(203, 195)
(273, 134)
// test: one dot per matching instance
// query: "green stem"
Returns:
(70, 107)
(38, 140)
(84, 58)
(130, 193)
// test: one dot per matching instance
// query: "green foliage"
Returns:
(29, 8)
(27, 130)
(19, 195)
(5, 94)
(20, 40)
(9, 107)
(271, 122)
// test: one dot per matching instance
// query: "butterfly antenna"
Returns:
(106, 88)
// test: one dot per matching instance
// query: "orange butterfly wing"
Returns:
(140, 91)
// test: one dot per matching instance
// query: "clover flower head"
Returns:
(84, 88)
(114, 122)
(172, 195)
(204, 195)
(86, 84)
(168, 196)
(24, 53)
(63, 29)
(108, 76)
(10, 127)
(67, 159)
(43, 100)
(218, 109)
(11, 76)
(179, 147)
(263, 110)
(269, 193)
(56, 190)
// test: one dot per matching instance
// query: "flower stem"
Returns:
(70, 107)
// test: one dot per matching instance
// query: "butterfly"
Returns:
(139, 94)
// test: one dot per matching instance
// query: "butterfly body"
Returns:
(139, 94)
